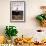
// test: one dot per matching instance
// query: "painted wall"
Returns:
(27, 28)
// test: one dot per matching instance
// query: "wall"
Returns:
(32, 8)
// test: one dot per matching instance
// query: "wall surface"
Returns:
(27, 28)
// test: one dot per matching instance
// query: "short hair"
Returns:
(42, 7)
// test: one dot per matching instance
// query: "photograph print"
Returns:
(17, 10)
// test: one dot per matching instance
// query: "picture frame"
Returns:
(17, 11)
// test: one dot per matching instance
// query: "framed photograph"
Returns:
(17, 11)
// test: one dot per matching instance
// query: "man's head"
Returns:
(43, 8)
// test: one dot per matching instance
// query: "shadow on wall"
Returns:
(2, 30)
(34, 22)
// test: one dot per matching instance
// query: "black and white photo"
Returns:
(17, 10)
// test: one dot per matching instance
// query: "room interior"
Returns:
(27, 33)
